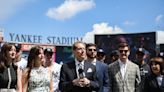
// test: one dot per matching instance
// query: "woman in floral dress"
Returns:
(36, 78)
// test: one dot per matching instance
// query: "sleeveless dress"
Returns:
(39, 80)
(8, 79)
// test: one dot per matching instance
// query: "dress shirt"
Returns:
(22, 64)
(122, 68)
(56, 75)
(79, 65)
(159, 80)
(94, 62)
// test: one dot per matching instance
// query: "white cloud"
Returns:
(160, 37)
(158, 19)
(9, 7)
(129, 23)
(69, 9)
(102, 28)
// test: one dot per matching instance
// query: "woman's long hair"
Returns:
(33, 58)
(4, 59)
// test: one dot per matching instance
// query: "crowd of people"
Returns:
(87, 72)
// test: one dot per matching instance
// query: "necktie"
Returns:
(80, 71)
(80, 66)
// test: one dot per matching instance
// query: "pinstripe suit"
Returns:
(131, 79)
(68, 74)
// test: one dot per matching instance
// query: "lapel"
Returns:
(88, 69)
(128, 67)
(118, 72)
(153, 81)
(73, 69)
(85, 67)
(162, 85)
(98, 66)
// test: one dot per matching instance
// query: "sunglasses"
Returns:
(121, 51)
(91, 49)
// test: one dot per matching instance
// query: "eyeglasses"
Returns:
(92, 49)
(80, 49)
(121, 51)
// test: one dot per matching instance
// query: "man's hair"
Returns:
(90, 44)
(48, 51)
(18, 47)
(123, 44)
(74, 45)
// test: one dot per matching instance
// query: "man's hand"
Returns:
(78, 82)
(84, 82)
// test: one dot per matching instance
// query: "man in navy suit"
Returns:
(78, 75)
(101, 68)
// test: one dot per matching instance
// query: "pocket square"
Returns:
(89, 70)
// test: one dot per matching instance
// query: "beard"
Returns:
(91, 56)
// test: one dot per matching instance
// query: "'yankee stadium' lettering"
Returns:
(25, 38)
(62, 40)
(39, 39)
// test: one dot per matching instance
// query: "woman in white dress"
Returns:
(36, 78)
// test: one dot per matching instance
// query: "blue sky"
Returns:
(81, 18)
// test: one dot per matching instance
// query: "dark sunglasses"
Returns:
(92, 49)
(121, 51)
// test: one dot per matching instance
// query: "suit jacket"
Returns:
(151, 84)
(131, 80)
(103, 76)
(68, 74)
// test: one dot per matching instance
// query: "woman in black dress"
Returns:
(155, 81)
(10, 75)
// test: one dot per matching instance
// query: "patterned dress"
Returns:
(39, 80)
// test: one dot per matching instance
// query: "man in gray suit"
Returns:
(124, 75)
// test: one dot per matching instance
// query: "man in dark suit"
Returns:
(124, 75)
(78, 75)
(101, 68)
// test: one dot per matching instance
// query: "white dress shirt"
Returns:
(94, 62)
(22, 64)
(79, 65)
(122, 68)
(159, 79)
(56, 75)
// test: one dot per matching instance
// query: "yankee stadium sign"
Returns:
(40, 39)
